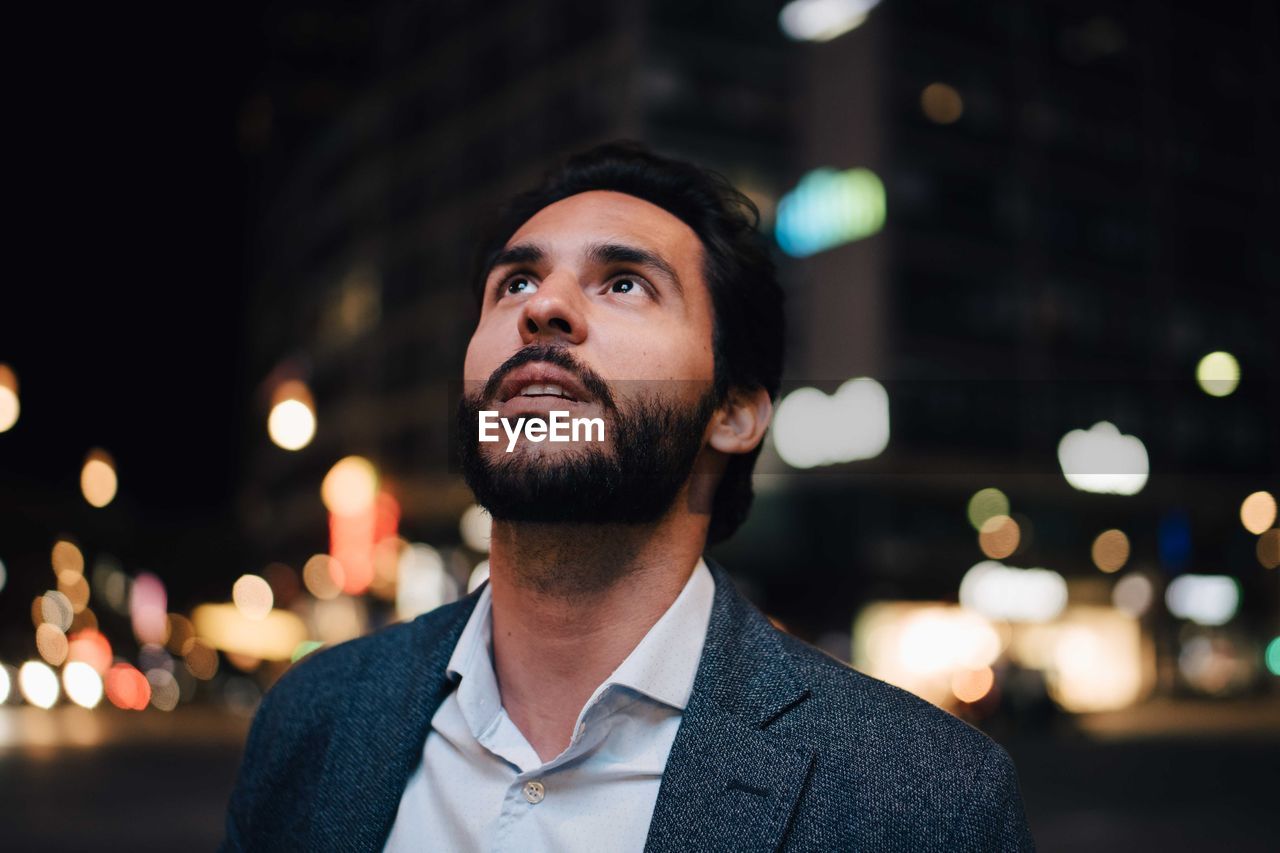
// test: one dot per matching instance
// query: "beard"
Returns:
(632, 478)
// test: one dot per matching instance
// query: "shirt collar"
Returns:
(662, 665)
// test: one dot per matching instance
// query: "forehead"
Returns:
(604, 215)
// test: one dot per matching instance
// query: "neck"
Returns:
(570, 602)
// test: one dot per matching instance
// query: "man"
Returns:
(608, 688)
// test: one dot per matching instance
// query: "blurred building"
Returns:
(1076, 204)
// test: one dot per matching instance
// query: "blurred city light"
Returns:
(1216, 664)
(253, 597)
(1099, 662)
(225, 627)
(999, 537)
(919, 646)
(828, 209)
(292, 421)
(350, 487)
(998, 591)
(972, 685)
(1258, 512)
(90, 647)
(52, 644)
(1272, 656)
(127, 688)
(475, 527)
(10, 407)
(424, 583)
(98, 481)
(811, 428)
(56, 609)
(1268, 549)
(4, 576)
(941, 103)
(1173, 540)
(1203, 599)
(82, 684)
(164, 689)
(1133, 594)
(38, 684)
(66, 557)
(1102, 460)
(985, 504)
(148, 609)
(1110, 550)
(823, 20)
(6, 685)
(1218, 374)
(323, 576)
(479, 575)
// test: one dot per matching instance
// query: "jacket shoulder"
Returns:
(917, 771)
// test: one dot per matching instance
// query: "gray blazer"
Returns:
(781, 748)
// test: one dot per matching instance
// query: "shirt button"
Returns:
(534, 792)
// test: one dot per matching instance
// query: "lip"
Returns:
(541, 373)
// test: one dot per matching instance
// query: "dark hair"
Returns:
(749, 325)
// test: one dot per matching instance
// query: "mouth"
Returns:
(540, 380)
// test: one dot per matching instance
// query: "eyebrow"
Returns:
(618, 253)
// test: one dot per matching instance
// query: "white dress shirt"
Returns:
(482, 787)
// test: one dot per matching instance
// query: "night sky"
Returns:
(123, 313)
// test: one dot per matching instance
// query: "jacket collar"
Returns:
(730, 782)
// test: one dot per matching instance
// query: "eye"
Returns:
(624, 285)
(519, 284)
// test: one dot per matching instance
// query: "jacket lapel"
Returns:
(731, 783)
(377, 742)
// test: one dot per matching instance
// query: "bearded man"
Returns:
(608, 688)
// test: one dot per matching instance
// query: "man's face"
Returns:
(598, 307)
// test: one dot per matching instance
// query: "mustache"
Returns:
(559, 356)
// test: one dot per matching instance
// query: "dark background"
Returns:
(192, 191)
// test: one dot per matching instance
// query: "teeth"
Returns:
(543, 390)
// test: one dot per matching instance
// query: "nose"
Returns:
(554, 312)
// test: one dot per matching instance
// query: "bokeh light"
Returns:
(1268, 549)
(51, 643)
(98, 480)
(1273, 656)
(424, 582)
(985, 504)
(822, 20)
(6, 684)
(1004, 592)
(56, 609)
(66, 556)
(10, 407)
(82, 684)
(75, 588)
(1258, 512)
(38, 684)
(475, 527)
(941, 103)
(972, 685)
(1110, 550)
(292, 421)
(811, 428)
(1203, 599)
(1218, 374)
(201, 659)
(828, 209)
(1102, 460)
(323, 576)
(999, 537)
(478, 575)
(350, 487)
(1133, 594)
(90, 647)
(127, 688)
(148, 609)
(253, 596)
(164, 689)
(181, 632)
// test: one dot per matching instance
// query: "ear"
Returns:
(739, 424)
